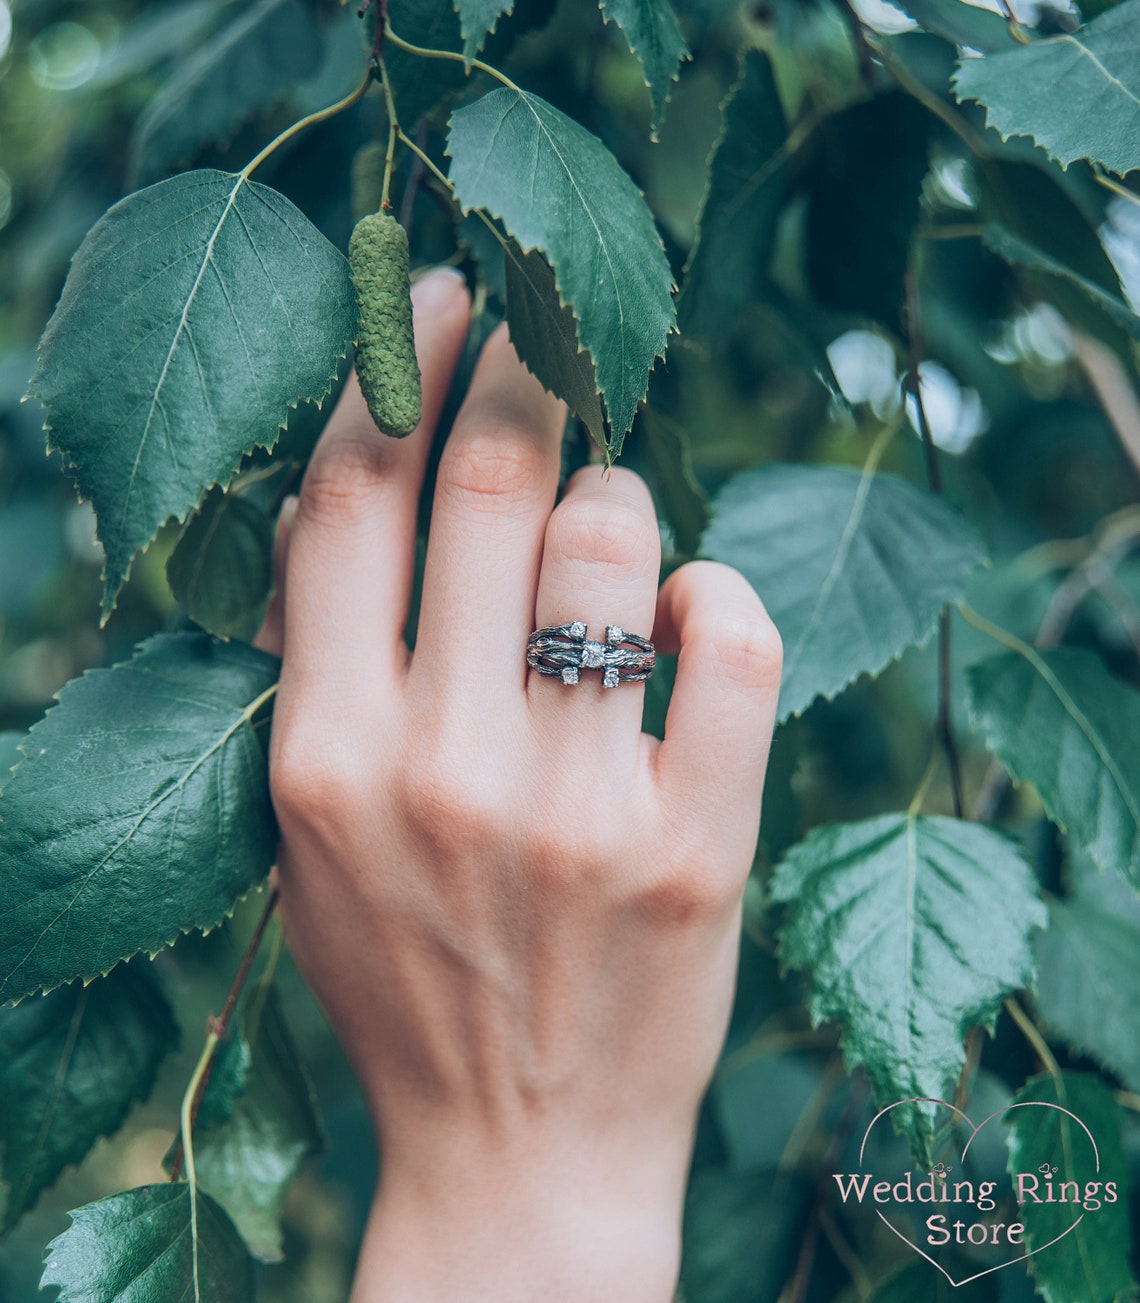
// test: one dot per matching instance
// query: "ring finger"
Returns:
(600, 565)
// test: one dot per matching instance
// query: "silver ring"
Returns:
(562, 651)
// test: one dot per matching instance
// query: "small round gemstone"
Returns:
(569, 674)
(593, 655)
(577, 629)
(614, 633)
(610, 677)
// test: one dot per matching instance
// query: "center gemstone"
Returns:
(593, 655)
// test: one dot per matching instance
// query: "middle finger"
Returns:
(495, 489)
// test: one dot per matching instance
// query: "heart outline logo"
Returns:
(1029, 1103)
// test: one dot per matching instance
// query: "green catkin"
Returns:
(386, 363)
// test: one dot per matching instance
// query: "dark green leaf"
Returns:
(852, 568)
(543, 333)
(197, 312)
(650, 27)
(962, 23)
(247, 1157)
(863, 206)
(148, 1244)
(243, 69)
(71, 1065)
(681, 497)
(1098, 115)
(10, 754)
(419, 84)
(1022, 253)
(559, 189)
(1091, 1262)
(222, 569)
(477, 19)
(1060, 721)
(728, 264)
(912, 930)
(739, 1233)
(1089, 983)
(141, 810)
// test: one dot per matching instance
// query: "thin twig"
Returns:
(943, 726)
(217, 1030)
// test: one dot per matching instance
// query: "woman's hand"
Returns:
(520, 912)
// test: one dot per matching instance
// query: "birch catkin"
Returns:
(386, 363)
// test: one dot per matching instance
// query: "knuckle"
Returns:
(495, 462)
(342, 478)
(611, 534)
(450, 807)
(690, 894)
(313, 784)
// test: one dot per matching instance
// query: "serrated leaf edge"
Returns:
(657, 120)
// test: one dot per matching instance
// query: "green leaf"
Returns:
(864, 206)
(677, 489)
(728, 263)
(419, 84)
(853, 568)
(962, 23)
(151, 1243)
(477, 19)
(1091, 1262)
(10, 754)
(263, 1134)
(1021, 252)
(912, 930)
(1089, 985)
(650, 27)
(141, 810)
(543, 333)
(559, 189)
(1098, 115)
(1060, 721)
(221, 571)
(739, 1233)
(71, 1065)
(241, 70)
(196, 314)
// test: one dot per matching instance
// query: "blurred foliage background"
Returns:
(1029, 386)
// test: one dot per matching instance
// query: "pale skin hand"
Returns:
(520, 912)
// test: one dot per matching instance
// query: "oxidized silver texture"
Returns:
(562, 651)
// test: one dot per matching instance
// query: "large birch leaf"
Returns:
(140, 810)
(1059, 720)
(196, 313)
(557, 188)
(852, 568)
(1077, 95)
(912, 930)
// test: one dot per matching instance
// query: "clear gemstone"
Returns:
(577, 629)
(614, 634)
(593, 655)
(569, 674)
(610, 677)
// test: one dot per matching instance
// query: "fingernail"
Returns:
(435, 288)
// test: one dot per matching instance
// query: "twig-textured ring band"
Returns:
(563, 651)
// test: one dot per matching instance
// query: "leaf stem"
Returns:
(943, 727)
(192, 1099)
(393, 131)
(400, 43)
(1034, 1037)
(313, 118)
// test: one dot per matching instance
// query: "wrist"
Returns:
(513, 1227)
